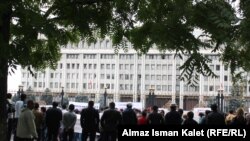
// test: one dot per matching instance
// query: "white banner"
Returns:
(199, 110)
(81, 105)
(123, 105)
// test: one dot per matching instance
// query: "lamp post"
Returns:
(220, 99)
(105, 96)
(20, 90)
(62, 94)
(151, 97)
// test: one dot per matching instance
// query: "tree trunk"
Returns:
(5, 15)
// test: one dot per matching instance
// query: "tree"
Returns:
(32, 31)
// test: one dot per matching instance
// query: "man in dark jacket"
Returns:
(173, 117)
(53, 120)
(129, 116)
(89, 122)
(109, 122)
(214, 117)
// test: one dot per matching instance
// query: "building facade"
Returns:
(91, 69)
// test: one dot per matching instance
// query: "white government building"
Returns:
(86, 70)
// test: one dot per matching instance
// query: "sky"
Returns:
(14, 80)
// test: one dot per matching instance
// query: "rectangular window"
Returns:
(225, 78)
(84, 76)
(68, 66)
(113, 76)
(126, 76)
(56, 85)
(73, 66)
(164, 67)
(90, 66)
(102, 66)
(72, 85)
(121, 77)
(152, 77)
(147, 66)
(158, 87)
(67, 85)
(170, 77)
(170, 67)
(131, 76)
(152, 66)
(169, 87)
(108, 76)
(217, 67)
(158, 77)
(77, 66)
(113, 66)
(127, 87)
(102, 76)
(147, 77)
(158, 67)
(84, 85)
(131, 66)
(35, 84)
(121, 87)
(164, 87)
(51, 75)
(108, 66)
(84, 66)
(121, 66)
(126, 66)
(164, 77)
(211, 88)
(139, 67)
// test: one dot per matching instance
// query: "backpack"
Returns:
(10, 107)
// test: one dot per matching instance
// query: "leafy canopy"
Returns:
(39, 28)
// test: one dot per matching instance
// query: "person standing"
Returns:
(214, 117)
(26, 128)
(38, 120)
(69, 121)
(155, 118)
(53, 120)
(10, 112)
(19, 106)
(129, 116)
(89, 122)
(173, 117)
(110, 120)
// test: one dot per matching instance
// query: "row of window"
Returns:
(91, 85)
(112, 76)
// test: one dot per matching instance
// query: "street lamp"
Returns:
(62, 94)
(105, 96)
(20, 90)
(220, 99)
(151, 97)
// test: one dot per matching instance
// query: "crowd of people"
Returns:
(27, 121)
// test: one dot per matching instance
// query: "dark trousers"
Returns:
(52, 134)
(109, 136)
(10, 128)
(68, 135)
(91, 135)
